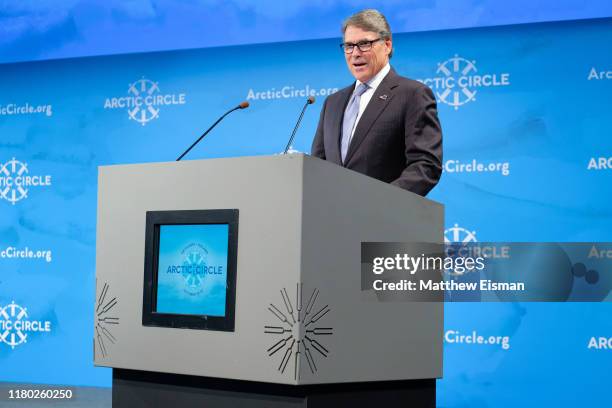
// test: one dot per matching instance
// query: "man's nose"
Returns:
(356, 53)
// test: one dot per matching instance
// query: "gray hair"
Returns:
(369, 20)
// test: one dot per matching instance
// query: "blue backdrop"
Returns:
(45, 29)
(526, 118)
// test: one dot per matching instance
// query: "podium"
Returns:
(292, 326)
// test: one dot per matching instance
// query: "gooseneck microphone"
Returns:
(309, 101)
(243, 105)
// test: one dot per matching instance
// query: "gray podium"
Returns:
(304, 333)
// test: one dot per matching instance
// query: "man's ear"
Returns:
(389, 44)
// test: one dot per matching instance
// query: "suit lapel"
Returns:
(380, 100)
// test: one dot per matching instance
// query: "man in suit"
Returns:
(384, 125)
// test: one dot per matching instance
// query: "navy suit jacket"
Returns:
(397, 140)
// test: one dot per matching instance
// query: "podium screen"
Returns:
(190, 269)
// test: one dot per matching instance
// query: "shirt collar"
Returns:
(376, 79)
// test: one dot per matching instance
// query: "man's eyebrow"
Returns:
(358, 41)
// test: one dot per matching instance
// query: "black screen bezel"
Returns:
(154, 219)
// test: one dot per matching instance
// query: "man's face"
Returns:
(365, 64)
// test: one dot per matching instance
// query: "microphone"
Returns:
(309, 101)
(243, 105)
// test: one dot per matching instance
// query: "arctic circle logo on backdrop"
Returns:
(15, 325)
(20, 253)
(194, 268)
(475, 166)
(475, 338)
(289, 91)
(459, 234)
(16, 181)
(458, 80)
(600, 163)
(598, 74)
(144, 101)
(15, 109)
(600, 343)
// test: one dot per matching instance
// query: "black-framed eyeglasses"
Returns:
(363, 46)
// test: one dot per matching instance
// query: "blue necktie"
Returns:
(350, 116)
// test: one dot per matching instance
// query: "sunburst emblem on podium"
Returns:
(105, 321)
(298, 331)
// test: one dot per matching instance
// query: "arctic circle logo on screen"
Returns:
(195, 268)
(15, 325)
(16, 181)
(144, 101)
(458, 80)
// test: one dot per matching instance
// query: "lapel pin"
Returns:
(383, 97)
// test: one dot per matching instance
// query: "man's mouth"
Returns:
(359, 65)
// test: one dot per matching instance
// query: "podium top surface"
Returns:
(252, 163)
